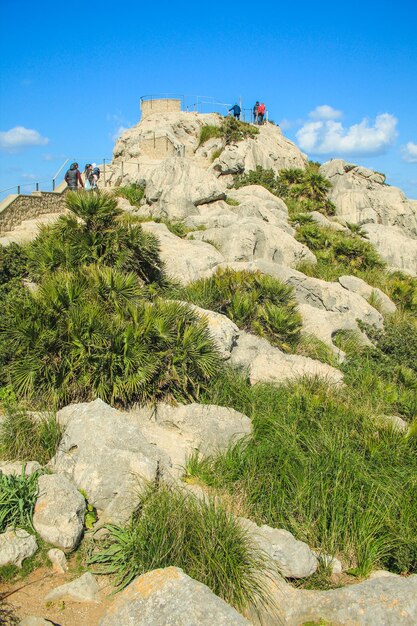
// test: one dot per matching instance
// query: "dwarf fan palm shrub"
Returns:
(18, 496)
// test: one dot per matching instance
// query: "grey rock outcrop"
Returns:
(104, 453)
(268, 364)
(34, 620)
(186, 260)
(82, 589)
(16, 546)
(357, 285)
(182, 430)
(58, 560)
(293, 558)
(168, 596)
(397, 249)
(251, 239)
(223, 331)
(361, 197)
(14, 468)
(59, 512)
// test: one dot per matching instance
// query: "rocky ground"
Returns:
(105, 452)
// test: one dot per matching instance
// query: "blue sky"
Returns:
(341, 78)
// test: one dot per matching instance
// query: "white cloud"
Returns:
(330, 137)
(409, 152)
(325, 112)
(20, 137)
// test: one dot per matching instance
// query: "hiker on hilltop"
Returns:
(88, 176)
(73, 177)
(236, 111)
(261, 113)
(255, 112)
(96, 175)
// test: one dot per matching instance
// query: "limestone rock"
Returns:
(107, 455)
(182, 430)
(14, 468)
(223, 331)
(381, 573)
(293, 558)
(269, 149)
(394, 421)
(251, 239)
(268, 364)
(168, 596)
(256, 201)
(186, 260)
(33, 620)
(58, 560)
(361, 197)
(214, 215)
(16, 546)
(82, 589)
(357, 285)
(322, 220)
(177, 186)
(397, 249)
(59, 511)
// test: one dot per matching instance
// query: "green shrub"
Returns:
(13, 262)
(232, 202)
(171, 528)
(133, 193)
(255, 302)
(318, 466)
(233, 130)
(18, 495)
(208, 131)
(91, 334)
(28, 437)
(216, 154)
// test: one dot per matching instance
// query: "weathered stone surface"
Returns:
(357, 285)
(390, 601)
(397, 249)
(293, 558)
(59, 511)
(251, 239)
(258, 202)
(182, 430)
(33, 620)
(270, 149)
(394, 421)
(168, 596)
(82, 589)
(14, 468)
(269, 365)
(186, 260)
(177, 186)
(104, 453)
(361, 197)
(322, 220)
(382, 573)
(58, 560)
(223, 331)
(16, 546)
(214, 215)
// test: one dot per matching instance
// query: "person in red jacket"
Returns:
(73, 177)
(261, 113)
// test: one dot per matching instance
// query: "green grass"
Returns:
(216, 154)
(232, 202)
(171, 528)
(208, 131)
(28, 437)
(133, 193)
(18, 495)
(14, 574)
(255, 302)
(319, 466)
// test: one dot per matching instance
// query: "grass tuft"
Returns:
(26, 436)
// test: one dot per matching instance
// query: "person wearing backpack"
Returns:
(255, 112)
(261, 113)
(73, 177)
(96, 175)
(236, 111)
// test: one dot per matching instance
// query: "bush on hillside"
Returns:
(28, 437)
(255, 302)
(13, 263)
(230, 131)
(133, 193)
(171, 528)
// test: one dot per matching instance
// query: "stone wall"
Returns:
(17, 208)
(164, 105)
(158, 147)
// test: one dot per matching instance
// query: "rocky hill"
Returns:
(217, 357)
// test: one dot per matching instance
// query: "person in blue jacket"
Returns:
(236, 111)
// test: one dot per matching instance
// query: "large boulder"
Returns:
(250, 239)
(168, 596)
(186, 260)
(269, 149)
(59, 512)
(223, 331)
(256, 201)
(397, 249)
(267, 364)
(16, 546)
(107, 455)
(357, 285)
(15, 468)
(183, 430)
(361, 196)
(293, 558)
(82, 589)
(177, 186)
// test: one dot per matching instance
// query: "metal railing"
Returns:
(36, 185)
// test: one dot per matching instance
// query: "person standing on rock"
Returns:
(261, 113)
(73, 177)
(255, 112)
(236, 111)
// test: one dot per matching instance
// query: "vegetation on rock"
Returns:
(133, 193)
(25, 436)
(230, 131)
(18, 496)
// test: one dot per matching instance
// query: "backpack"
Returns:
(96, 172)
(261, 109)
